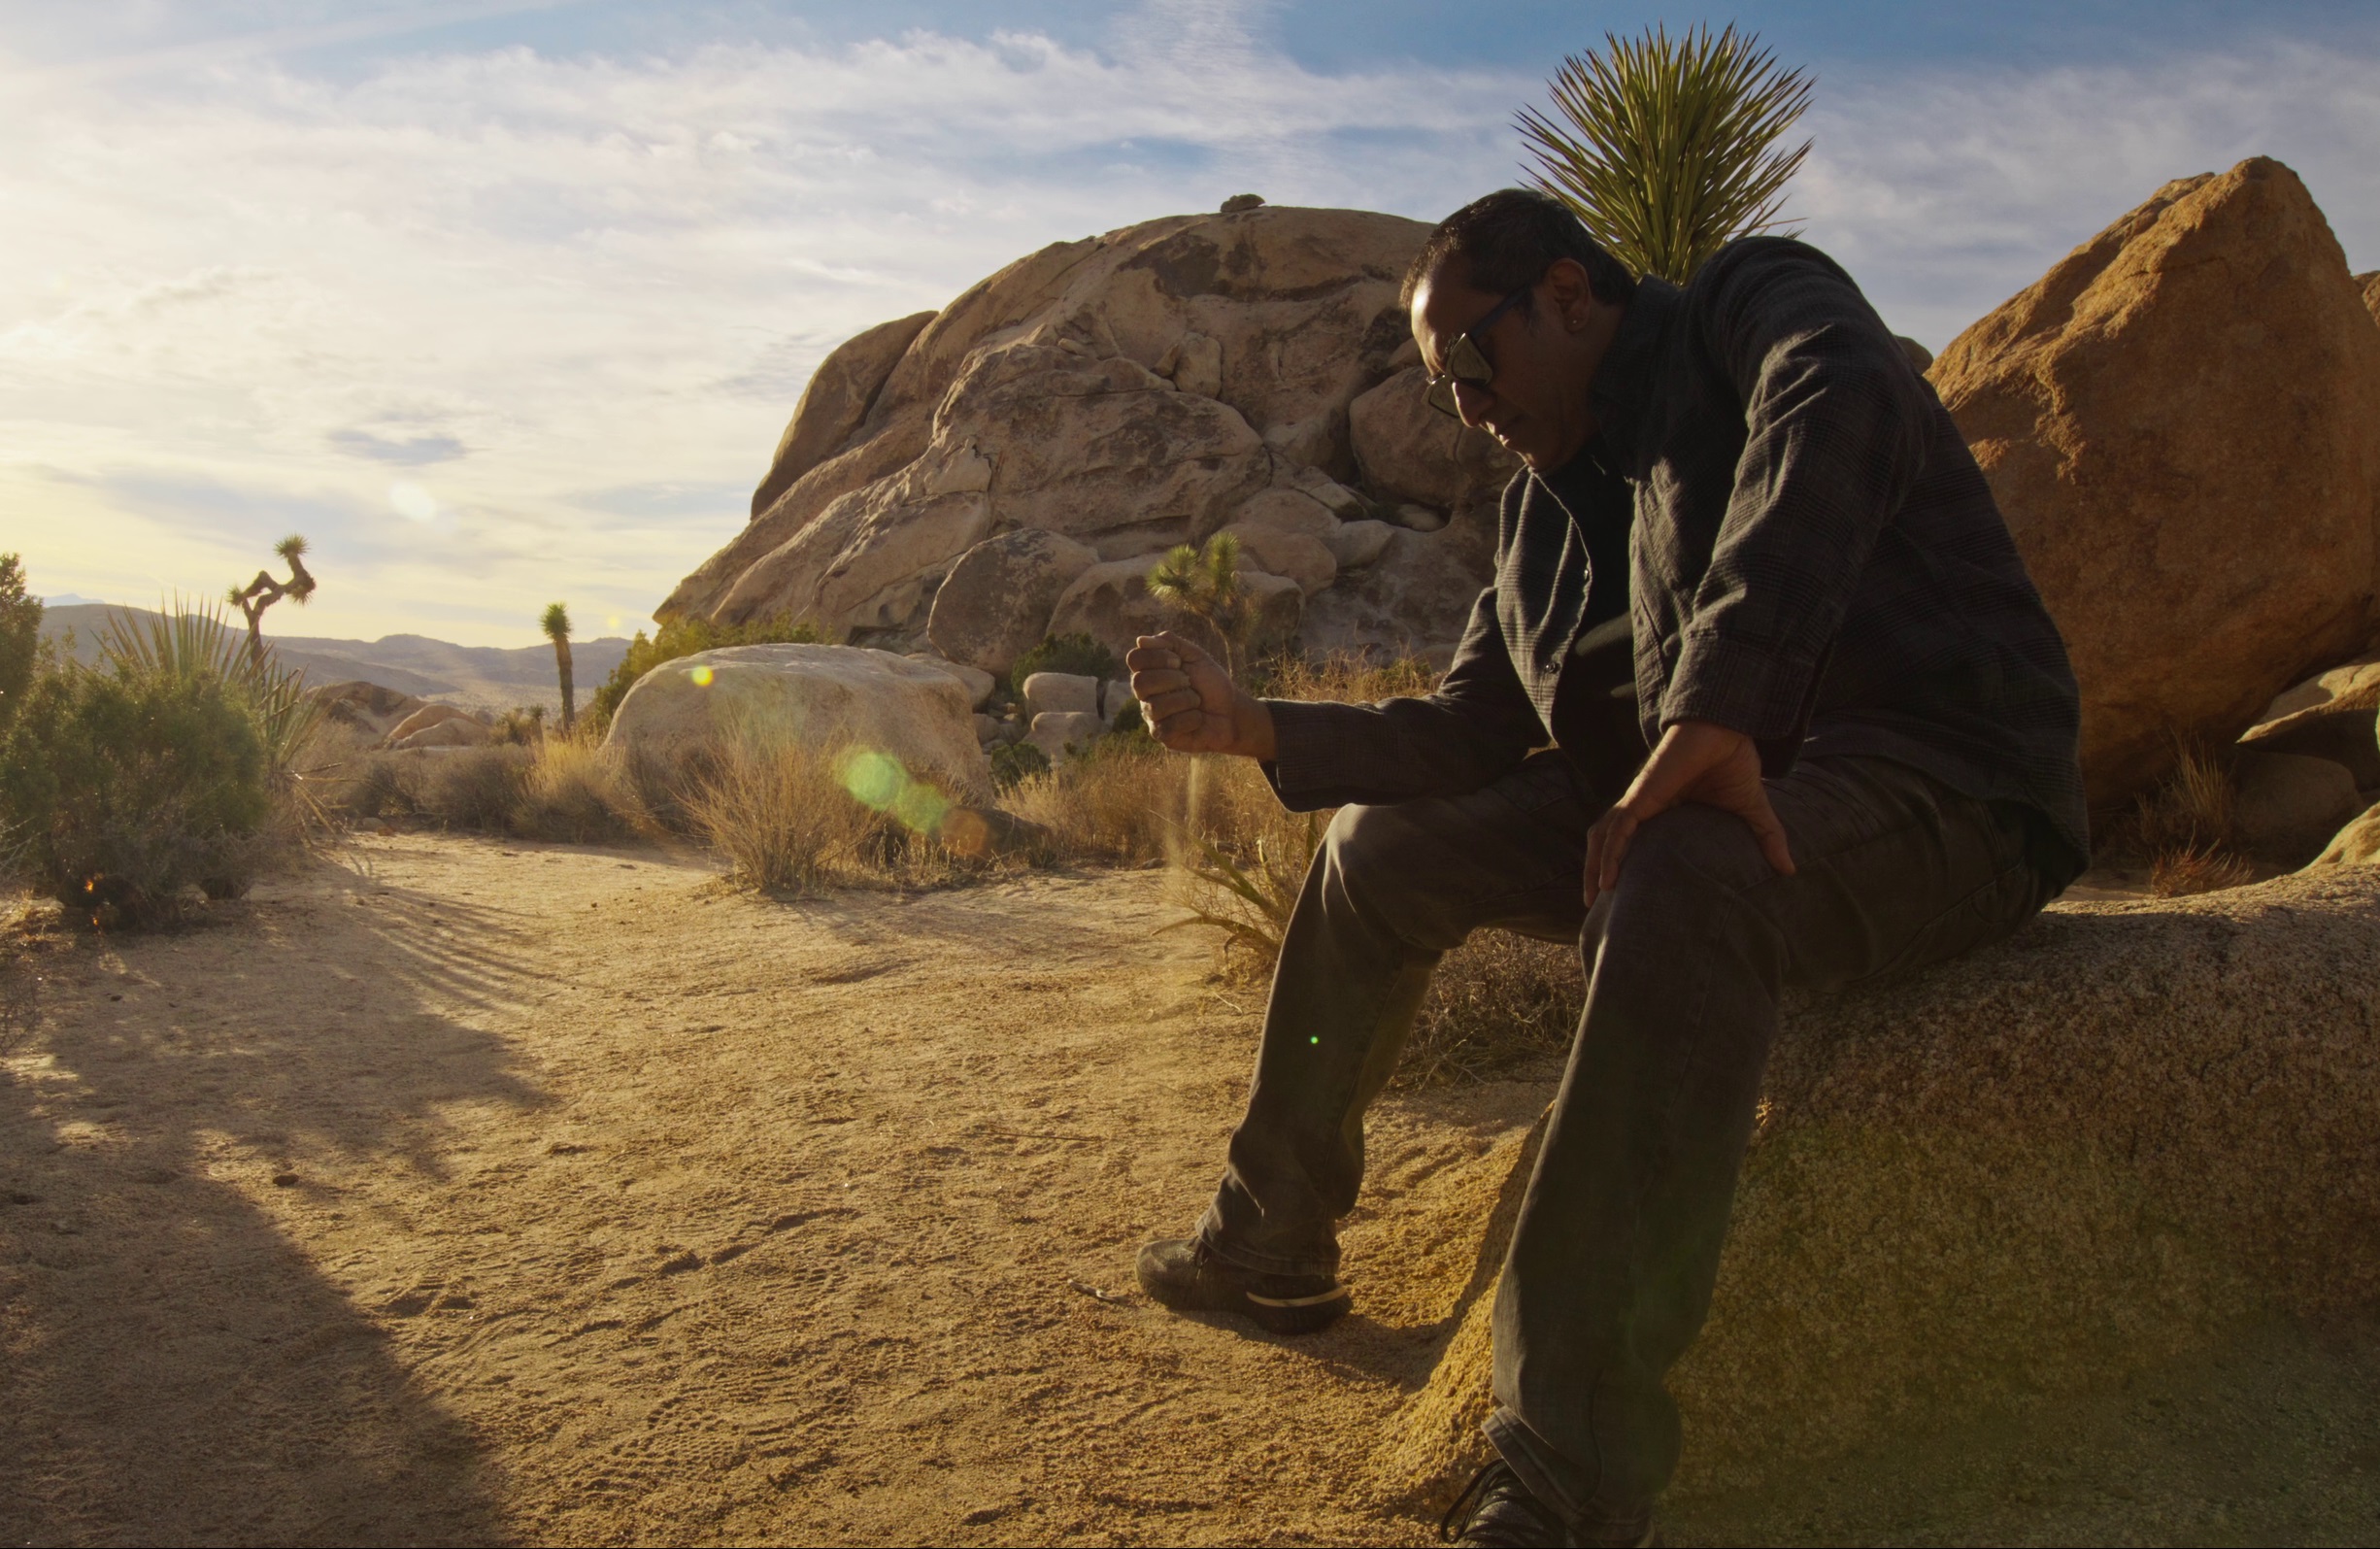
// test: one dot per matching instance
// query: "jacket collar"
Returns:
(1622, 385)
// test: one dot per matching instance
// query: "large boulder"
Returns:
(1126, 392)
(840, 392)
(2040, 1168)
(1412, 595)
(821, 697)
(2288, 805)
(996, 604)
(2356, 845)
(2182, 422)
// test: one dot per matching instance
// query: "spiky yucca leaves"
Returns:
(185, 642)
(1667, 148)
(1204, 582)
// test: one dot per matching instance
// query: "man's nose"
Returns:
(1472, 404)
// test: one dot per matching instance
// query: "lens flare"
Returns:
(920, 806)
(874, 779)
(701, 676)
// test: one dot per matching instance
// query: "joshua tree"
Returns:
(263, 591)
(1668, 150)
(1205, 584)
(556, 625)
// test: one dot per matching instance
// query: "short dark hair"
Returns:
(1508, 240)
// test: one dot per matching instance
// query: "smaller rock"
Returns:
(995, 603)
(1241, 201)
(1358, 544)
(2290, 804)
(1060, 694)
(1114, 695)
(987, 729)
(2357, 845)
(403, 733)
(1199, 365)
(1304, 560)
(1054, 732)
(2333, 714)
(1290, 511)
(1334, 497)
(457, 731)
(1419, 519)
(980, 683)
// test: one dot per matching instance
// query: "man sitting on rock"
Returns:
(1863, 730)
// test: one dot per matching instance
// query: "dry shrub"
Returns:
(1497, 998)
(567, 788)
(21, 989)
(577, 791)
(2184, 825)
(1121, 803)
(783, 817)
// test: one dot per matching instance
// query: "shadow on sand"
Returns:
(178, 1368)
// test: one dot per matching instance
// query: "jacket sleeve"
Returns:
(1477, 726)
(1836, 420)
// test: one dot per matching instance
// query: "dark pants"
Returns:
(1617, 1247)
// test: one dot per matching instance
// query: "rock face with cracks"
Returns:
(2181, 421)
(823, 697)
(1120, 395)
(2094, 1147)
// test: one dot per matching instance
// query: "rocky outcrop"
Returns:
(2182, 423)
(2039, 1168)
(2370, 284)
(1120, 395)
(823, 697)
(2288, 805)
(2356, 845)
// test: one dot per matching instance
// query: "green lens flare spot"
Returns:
(875, 779)
(920, 806)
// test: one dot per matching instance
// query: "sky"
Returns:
(499, 303)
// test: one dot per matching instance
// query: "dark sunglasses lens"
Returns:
(1465, 362)
(1441, 396)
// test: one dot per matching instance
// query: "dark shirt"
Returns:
(1815, 560)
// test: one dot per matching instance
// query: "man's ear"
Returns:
(1566, 285)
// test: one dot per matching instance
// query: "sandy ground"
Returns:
(467, 1192)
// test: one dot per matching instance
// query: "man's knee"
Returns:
(1385, 863)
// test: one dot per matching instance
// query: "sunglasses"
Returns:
(1467, 365)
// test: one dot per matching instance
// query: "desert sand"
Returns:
(451, 1190)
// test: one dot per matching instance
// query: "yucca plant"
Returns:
(556, 623)
(1204, 582)
(1667, 148)
(184, 642)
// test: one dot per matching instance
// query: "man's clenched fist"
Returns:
(1190, 704)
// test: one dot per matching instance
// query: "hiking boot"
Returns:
(1498, 1512)
(1183, 1273)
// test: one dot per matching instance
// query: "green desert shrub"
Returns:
(684, 637)
(126, 790)
(1077, 653)
(20, 635)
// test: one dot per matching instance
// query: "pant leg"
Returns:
(1390, 889)
(1617, 1247)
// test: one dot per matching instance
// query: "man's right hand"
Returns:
(1190, 704)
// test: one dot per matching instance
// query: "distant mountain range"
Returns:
(473, 677)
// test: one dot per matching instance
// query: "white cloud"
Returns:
(572, 300)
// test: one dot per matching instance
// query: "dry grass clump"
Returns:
(1121, 803)
(564, 788)
(790, 819)
(2185, 826)
(1495, 1000)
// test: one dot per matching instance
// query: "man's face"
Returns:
(1543, 353)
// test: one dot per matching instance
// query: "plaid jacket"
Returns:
(1814, 560)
